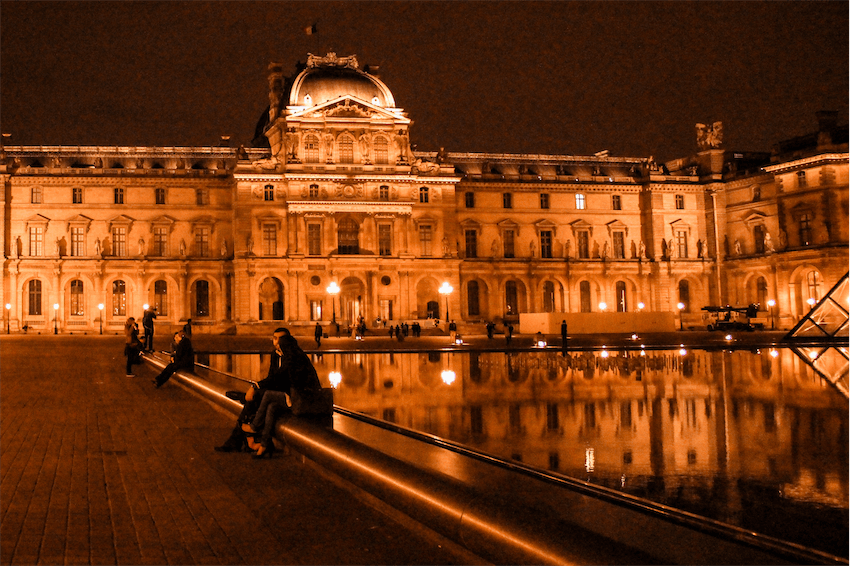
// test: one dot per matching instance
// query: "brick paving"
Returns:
(98, 468)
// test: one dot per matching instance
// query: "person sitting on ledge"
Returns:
(182, 357)
(286, 369)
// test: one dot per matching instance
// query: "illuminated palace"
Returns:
(238, 239)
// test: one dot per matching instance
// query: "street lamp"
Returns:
(446, 290)
(8, 316)
(681, 307)
(100, 308)
(641, 306)
(771, 303)
(602, 306)
(55, 318)
(332, 290)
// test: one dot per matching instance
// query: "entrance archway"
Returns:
(352, 300)
(271, 299)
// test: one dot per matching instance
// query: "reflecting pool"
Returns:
(754, 439)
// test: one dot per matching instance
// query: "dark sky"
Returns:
(518, 77)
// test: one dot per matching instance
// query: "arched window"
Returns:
(77, 305)
(119, 298)
(620, 290)
(511, 299)
(34, 297)
(160, 297)
(348, 235)
(761, 293)
(202, 298)
(381, 153)
(584, 292)
(548, 297)
(813, 283)
(346, 149)
(685, 295)
(472, 298)
(311, 148)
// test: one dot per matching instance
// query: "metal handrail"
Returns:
(251, 381)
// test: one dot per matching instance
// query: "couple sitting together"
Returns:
(290, 369)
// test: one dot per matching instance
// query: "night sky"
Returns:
(517, 77)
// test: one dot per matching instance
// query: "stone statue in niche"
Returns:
(141, 246)
(97, 249)
(783, 239)
(532, 249)
(329, 147)
(58, 245)
(768, 243)
(183, 247)
(641, 250)
(402, 145)
(664, 249)
(269, 164)
(16, 247)
(249, 245)
(568, 249)
(424, 167)
(494, 248)
(445, 244)
(633, 249)
(363, 140)
(223, 248)
(604, 254)
(737, 247)
(671, 249)
(700, 251)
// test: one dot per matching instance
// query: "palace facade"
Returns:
(240, 239)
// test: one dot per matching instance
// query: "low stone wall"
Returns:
(597, 322)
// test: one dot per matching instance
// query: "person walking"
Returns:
(182, 357)
(563, 334)
(317, 334)
(509, 331)
(490, 328)
(187, 328)
(147, 325)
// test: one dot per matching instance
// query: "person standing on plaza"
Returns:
(132, 344)
(317, 334)
(187, 328)
(509, 331)
(564, 332)
(182, 357)
(147, 325)
(490, 328)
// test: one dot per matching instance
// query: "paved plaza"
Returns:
(98, 468)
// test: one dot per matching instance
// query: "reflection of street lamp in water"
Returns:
(100, 308)
(335, 378)
(681, 307)
(8, 316)
(446, 290)
(448, 376)
(771, 303)
(55, 318)
(332, 290)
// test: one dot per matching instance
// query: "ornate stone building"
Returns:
(331, 192)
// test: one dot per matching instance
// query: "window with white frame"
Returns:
(682, 243)
(580, 201)
(36, 241)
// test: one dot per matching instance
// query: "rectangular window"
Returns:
(268, 193)
(202, 197)
(426, 235)
(78, 242)
(385, 238)
(384, 192)
(160, 195)
(269, 239)
(314, 191)
(423, 195)
(615, 202)
(160, 241)
(507, 200)
(34, 296)
(381, 153)
(202, 242)
(553, 422)
(682, 244)
(77, 195)
(801, 179)
(546, 243)
(469, 199)
(580, 204)
(311, 149)
(36, 241)
(583, 244)
(202, 298)
(119, 195)
(346, 150)
(680, 202)
(119, 241)
(35, 195)
(471, 238)
(314, 239)
(805, 229)
(619, 245)
(315, 310)
(544, 200)
(510, 240)
(160, 297)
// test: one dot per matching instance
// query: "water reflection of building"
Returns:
(238, 238)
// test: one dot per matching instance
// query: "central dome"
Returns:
(328, 78)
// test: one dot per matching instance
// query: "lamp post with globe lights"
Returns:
(332, 290)
(8, 316)
(771, 303)
(681, 307)
(55, 318)
(446, 290)
(602, 306)
(100, 308)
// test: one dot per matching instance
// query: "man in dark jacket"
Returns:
(182, 357)
(147, 325)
